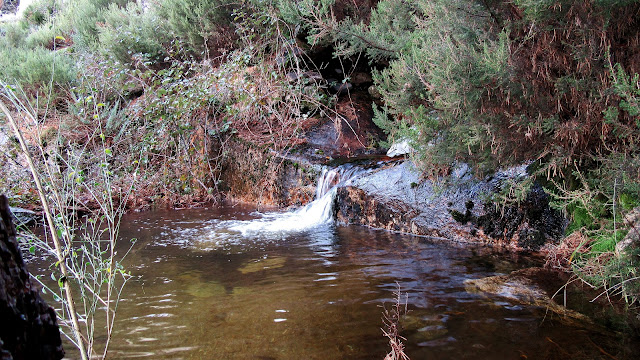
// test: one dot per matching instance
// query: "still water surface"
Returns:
(203, 291)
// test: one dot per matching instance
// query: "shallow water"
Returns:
(202, 291)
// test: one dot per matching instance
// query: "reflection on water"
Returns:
(202, 291)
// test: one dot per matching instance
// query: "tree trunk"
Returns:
(29, 329)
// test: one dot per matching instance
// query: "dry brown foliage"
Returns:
(391, 319)
(555, 100)
(561, 256)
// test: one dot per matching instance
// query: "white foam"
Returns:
(317, 213)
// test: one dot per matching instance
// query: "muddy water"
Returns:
(202, 291)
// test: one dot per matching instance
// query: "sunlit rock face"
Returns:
(400, 148)
(456, 207)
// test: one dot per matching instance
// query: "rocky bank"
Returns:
(458, 207)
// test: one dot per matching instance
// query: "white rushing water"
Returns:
(317, 213)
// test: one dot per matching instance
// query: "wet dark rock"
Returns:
(282, 179)
(374, 92)
(339, 88)
(467, 216)
(308, 76)
(361, 79)
(29, 329)
(533, 223)
(355, 206)
(296, 183)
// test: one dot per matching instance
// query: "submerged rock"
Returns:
(206, 289)
(531, 287)
(262, 264)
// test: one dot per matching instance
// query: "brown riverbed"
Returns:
(201, 291)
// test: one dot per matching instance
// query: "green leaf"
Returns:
(32, 250)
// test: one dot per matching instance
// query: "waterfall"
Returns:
(317, 213)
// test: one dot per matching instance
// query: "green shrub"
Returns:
(580, 218)
(443, 64)
(391, 31)
(311, 17)
(36, 67)
(41, 11)
(13, 34)
(606, 243)
(203, 25)
(43, 36)
(618, 275)
(83, 18)
(629, 201)
(131, 32)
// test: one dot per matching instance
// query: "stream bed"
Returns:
(203, 290)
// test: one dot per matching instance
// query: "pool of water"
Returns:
(202, 290)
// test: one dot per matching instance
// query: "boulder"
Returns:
(455, 207)
(395, 197)
(350, 134)
(29, 329)
(361, 78)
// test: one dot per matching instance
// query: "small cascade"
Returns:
(316, 213)
(330, 178)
